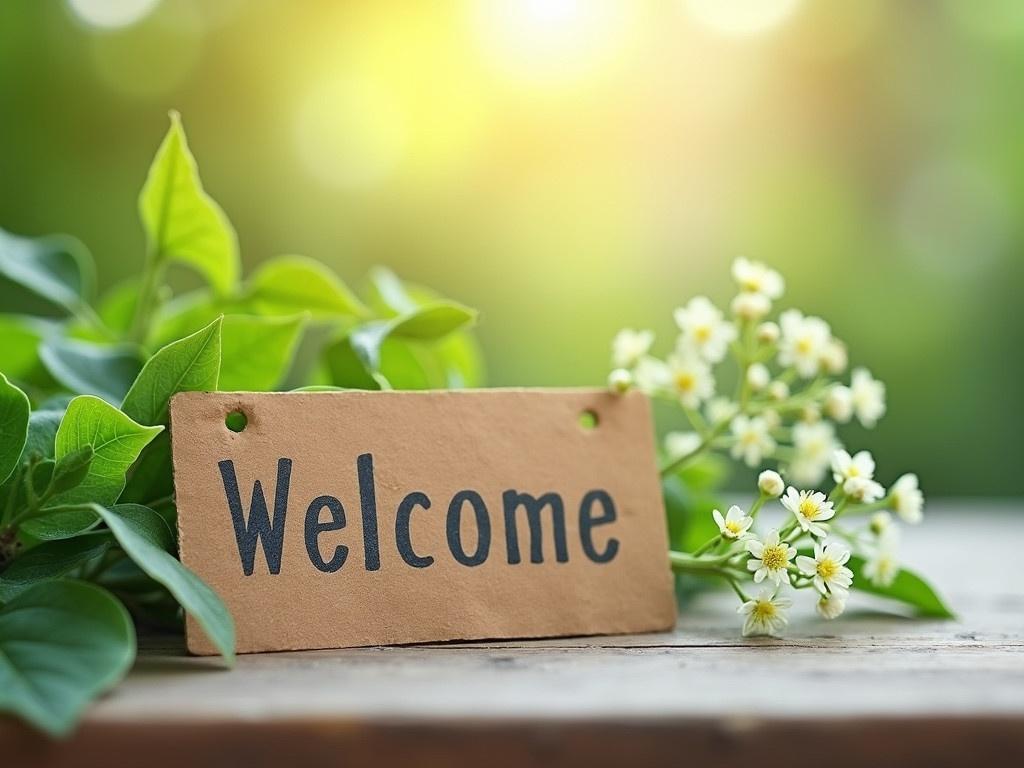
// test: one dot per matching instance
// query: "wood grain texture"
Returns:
(871, 688)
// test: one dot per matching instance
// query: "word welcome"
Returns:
(596, 509)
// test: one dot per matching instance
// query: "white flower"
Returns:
(691, 379)
(907, 499)
(880, 523)
(720, 409)
(755, 277)
(831, 606)
(828, 567)
(735, 524)
(771, 418)
(803, 342)
(839, 403)
(752, 439)
(810, 413)
(862, 490)
(810, 508)
(651, 375)
(770, 483)
(766, 614)
(778, 390)
(758, 376)
(768, 333)
(834, 358)
(813, 444)
(868, 395)
(750, 306)
(771, 558)
(629, 346)
(679, 444)
(845, 466)
(703, 329)
(620, 380)
(882, 568)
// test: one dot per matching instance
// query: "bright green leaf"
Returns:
(256, 351)
(190, 364)
(91, 369)
(907, 588)
(289, 285)
(432, 322)
(61, 644)
(72, 469)
(58, 269)
(51, 560)
(201, 602)
(19, 352)
(14, 417)
(182, 222)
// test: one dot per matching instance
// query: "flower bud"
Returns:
(768, 333)
(620, 380)
(778, 390)
(810, 413)
(839, 403)
(771, 418)
(834, 358)
(831, 606)
(770, 483)
(880, 522)
(758, 377)
(751, 306)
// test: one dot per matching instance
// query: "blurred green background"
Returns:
(570, 167)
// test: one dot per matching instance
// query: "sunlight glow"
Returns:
(111, 14)
(741, 18)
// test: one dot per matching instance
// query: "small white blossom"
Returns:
(845, 466)
(828, 567)
(651, 375)
(814, 445)
(720, 409)
(810, 508)
(620, 380)
(907, 499)
(882, 568)
(691, 379)
(768, 333)
(862, 490)
(750, 306)
(753, 441)
(778, 390)
(839, 403)
(755, 277)
(735, 524)
(831, 606)
(803, 342)
(810, 413)
(880, 523)
(770, 483)
(771, 418)
(868, 395)
(703, 329)
(834, 358)
(765, 614)
(679, 444)
(758, 376)
(771, 558)
(629, 346)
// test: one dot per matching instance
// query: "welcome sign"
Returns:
(335, 519)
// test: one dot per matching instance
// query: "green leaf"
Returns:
(151, 477)
(19, 355)
(61, 644)
(190, 364)
(289, 285)
(147, 524)
(91, 369)
(51, 560)
(201, 602)
(42, 429)
(116, 441)
(256, 351)
(432, 322)
(182, 222)
(907, 588)
(690, 523)
(14, 417)
(71, 470)
(57, 269)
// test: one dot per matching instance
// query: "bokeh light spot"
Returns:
(741, 18)
(111, 14)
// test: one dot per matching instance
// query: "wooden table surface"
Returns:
(871, 688)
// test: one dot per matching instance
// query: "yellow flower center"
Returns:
(702, 333)
(685, 381)
(808, 509)
(733, 527)
(774, 558)
(764, 609)
(751, 284)
(852, 471)
(828, 568)
(804, 346)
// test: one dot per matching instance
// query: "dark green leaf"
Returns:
(289, 285)
(14, 417)
(190, 364)
(61, 644)
(148, 524)
(52, 559)
(908, 588)
(91, 369)
(71, 470)
(181, 221)
(58, 269)
(256, 351)
(198, 600)
(151, 476)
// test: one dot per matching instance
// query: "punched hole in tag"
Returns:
(588, 420)
(236, 421)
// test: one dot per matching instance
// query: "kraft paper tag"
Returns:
(369, 518)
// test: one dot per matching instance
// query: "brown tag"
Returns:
(369, 518)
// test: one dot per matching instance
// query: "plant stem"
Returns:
(151, 276)
(677, 463)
